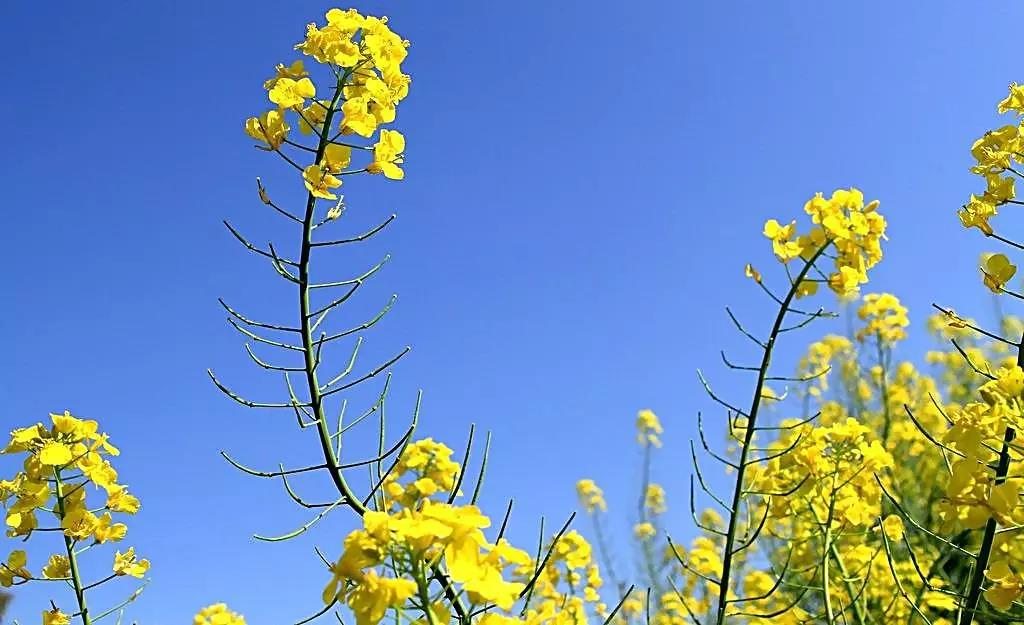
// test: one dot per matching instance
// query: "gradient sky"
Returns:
(585, 183)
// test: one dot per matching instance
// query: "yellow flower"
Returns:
(976, 213)
(846, 281)
(644, 531)
(996, 149)
(336, 157)
(319, 181)
(23, 438)
(374, 595)
(77, 429)
(55, 617)
(55, 454)
(106, 530)
(591, 496)
(361, 551)
(290, 93)
(490, 587)
(806, 288)
(269, 128)
(648, 428)
(1000, 189)
(387, 155)
(333, 43)
(1007, 587)
(998, 270)
(892, 525)
(1014, 101)
(217, 614)
(58, 567)
(78, 522)
(357, 117)
(785, 248)
(295, 71)
(118, 500)
(432, 469)
(313, 116)
(886, 318)
(14, 568)
(128, 564)
(654, 499)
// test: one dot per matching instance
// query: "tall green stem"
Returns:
(646, 547)
(755, 404)
(974, 591)
(69, 546)
(310, 349)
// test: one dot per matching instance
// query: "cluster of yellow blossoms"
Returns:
(365, 58)
(832, 467)
(843, 220)
(566, 587)
(648, 429)
(885, 318)
(973, 493)
(217, 614)
(591, 496)
(823, 488)
(390, 561)
(996, 153)
(820, 359)
(63, 462)
(429, 467)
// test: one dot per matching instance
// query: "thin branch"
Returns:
(245, 402)
(361, 237)
(743, 330)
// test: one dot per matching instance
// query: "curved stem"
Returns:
(310, 349)
(755, 404)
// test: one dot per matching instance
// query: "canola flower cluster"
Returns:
(996, 154)
(844, 221)
(217, 614)
(384, 565)
(885, 318)
(365, 58)
(833, 539)
(828, 530)
(63, 462)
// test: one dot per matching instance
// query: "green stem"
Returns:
(646, 547)
(988, 538)
(826, 591)
(424, 592)
(755, 404)
(310, 355)
(833, 551)
(69, 546)
(858, 614)
(603, 553)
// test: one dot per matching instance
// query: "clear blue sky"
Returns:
(585, 182)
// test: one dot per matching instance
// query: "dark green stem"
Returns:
(755, 404)
(309, 346)
(988, 538)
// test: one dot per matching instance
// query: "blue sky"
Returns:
(585, 181)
